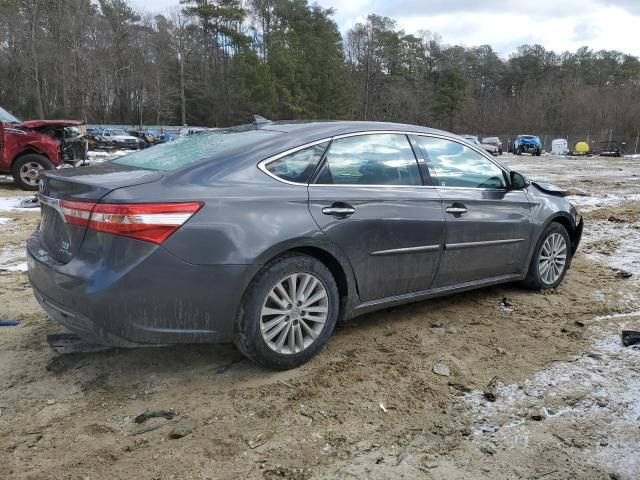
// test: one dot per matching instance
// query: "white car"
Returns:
(122, 139)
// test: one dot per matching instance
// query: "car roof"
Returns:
(330, 128)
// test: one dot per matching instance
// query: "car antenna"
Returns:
(259, 120)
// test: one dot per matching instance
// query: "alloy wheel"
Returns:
(294, 313)
(30, 173)
(553, 258)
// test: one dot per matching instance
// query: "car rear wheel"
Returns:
(287, 313)
(551, 258)
(26, 170)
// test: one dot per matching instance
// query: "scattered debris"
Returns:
(441, 369)
(384, 409)
(9, 323)
(630, 337)
(259, 440)
(488, 449)
(179, 431)
(623, 274)
(151, 428)
(451, 329)
(538, 414)
(505, 303)
(51, 401)
(616, 219)
(66, 343)
(460, 387)
(491, 390)
(580, 323)
(287, 384)
(30, 203)
(168, 414)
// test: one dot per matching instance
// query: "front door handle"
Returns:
(339, 210)
(456, 209)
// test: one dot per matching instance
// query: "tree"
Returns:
(450, 93)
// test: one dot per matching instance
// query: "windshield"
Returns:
(6, 117)
(187, 150)
(118, 132)
(491, 140)
(473, 140)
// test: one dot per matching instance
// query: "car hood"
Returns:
(50, 123)
(550, 188)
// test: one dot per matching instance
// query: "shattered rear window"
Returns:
(187, 150)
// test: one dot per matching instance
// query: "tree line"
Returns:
(217, 62)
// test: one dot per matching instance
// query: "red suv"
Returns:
(27, 148)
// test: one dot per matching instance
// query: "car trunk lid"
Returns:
(61, 192)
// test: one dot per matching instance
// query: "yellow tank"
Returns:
(582, 148)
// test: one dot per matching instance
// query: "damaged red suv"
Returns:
(27, 148)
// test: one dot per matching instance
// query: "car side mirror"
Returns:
(518, 182)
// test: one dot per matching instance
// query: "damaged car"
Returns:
(268, 234)
(30, 147)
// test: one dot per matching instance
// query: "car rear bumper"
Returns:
(156, 299)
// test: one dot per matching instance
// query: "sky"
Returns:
(558, 25)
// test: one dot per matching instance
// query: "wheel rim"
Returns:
(294, 313)
(553, 258)
(30, 173)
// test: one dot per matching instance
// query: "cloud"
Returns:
(558, 25)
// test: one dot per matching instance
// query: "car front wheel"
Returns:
(551, 258)
(26, 170)
(287, 313)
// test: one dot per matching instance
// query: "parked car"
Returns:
(527, 144)
(121, 139)
(27, 148)
(492, 149)
(495, 141)
(269, 234)
(612, 148)
(147, 137)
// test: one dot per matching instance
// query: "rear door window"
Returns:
(456, 165)
(378, 159)
(297, 167)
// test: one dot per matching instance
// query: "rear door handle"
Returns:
(339, 209)
(456, 209)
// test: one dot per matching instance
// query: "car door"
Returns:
(488, 225)
(368, 197)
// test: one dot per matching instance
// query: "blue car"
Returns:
(527, 144)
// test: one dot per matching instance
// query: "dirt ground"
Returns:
(369, 406)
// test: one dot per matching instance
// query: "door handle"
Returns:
(339, 209)
(456, 209)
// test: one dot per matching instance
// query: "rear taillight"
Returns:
(152, 222)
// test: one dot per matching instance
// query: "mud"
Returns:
(370, 405)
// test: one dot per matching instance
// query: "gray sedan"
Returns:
(268, 234)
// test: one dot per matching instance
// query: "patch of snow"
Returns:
(12, 260)
(601, 388)
(4, 220)
(12, 204)
(100, 156)
(625, 255)
(15, 267)
(588, 203)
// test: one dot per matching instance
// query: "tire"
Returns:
(258, 299)
(538, 152)
(535, 280)
(27, 168)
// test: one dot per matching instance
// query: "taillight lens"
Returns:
(152, 222)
